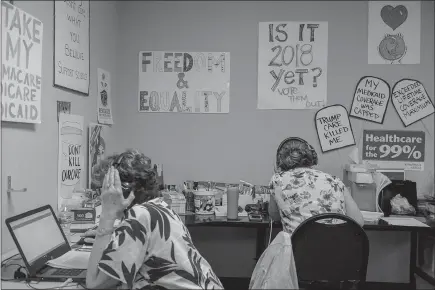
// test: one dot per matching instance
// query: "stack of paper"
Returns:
(71, 260)
(403, 221)
(371, 216)
(81, 228)
(381, 182)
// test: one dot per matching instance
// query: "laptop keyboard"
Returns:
(67, 272)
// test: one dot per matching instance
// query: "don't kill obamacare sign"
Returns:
(21, 65)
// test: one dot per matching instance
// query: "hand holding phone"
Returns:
(88, 238)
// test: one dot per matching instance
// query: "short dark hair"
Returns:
(294, 153)
(135, 171)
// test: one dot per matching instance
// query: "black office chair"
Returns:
(330, 255)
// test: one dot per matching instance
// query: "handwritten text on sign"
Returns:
(21, 65)
(71, 46)
(292, 65)
(370, 99)
(184, 82)
(71, 174)
(333, 128)
(400, 149)
(70, 153)
(411, 101)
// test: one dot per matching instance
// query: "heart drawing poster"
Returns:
(394, 32)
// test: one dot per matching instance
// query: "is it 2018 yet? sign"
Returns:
(184, 82)
(21, 55)
(72, 45)
(292, 65)
(395, 149)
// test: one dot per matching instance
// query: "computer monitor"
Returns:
(38, 237)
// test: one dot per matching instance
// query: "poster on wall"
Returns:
(63, 107)
(184, 82)
(71, 156)
(21, 65)
(411, 101)
(292, 65)
(370, 100)
(333, 128)
(72, 45)
(394, 29)
(394, 149)
(97, 149)
(104, 99)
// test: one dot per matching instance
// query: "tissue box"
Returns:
(362, 188)
(84, 215)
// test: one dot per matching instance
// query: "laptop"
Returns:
(39, 238)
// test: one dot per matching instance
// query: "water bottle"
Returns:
(66, 217)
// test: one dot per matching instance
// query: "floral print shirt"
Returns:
(305, 193)
(152, 249)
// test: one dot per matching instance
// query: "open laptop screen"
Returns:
(37, 234)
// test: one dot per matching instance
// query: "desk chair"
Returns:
(330, 256)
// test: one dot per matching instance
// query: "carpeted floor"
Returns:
(243, 284)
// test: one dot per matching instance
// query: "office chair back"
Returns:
(330, 254)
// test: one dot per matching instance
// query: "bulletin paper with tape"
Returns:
(395, 149)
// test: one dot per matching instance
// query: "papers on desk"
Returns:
(81, 228)
(370, 216)
(404, 221)
(71, 260)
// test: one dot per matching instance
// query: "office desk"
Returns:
(263, 226)
(261, 243)
(34, 285)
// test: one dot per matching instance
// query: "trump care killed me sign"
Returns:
(370, 99)
(21, 65)
(292, 65)
(411, 101)
(333, 128)
(184, 82)
(71, 154)
(394, 149)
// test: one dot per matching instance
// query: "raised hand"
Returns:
(112, 200)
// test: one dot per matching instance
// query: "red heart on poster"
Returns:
(394, 16)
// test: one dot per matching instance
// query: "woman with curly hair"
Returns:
(301, 191)
(151, 248)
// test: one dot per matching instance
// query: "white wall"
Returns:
(227, 147)
(242, 144)
(29, 152)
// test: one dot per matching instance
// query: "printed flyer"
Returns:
(394, 149)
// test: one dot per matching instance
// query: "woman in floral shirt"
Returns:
(302, 192)
(151, 248)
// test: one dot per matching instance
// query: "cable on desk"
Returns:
(10, 258)
(18, 275)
